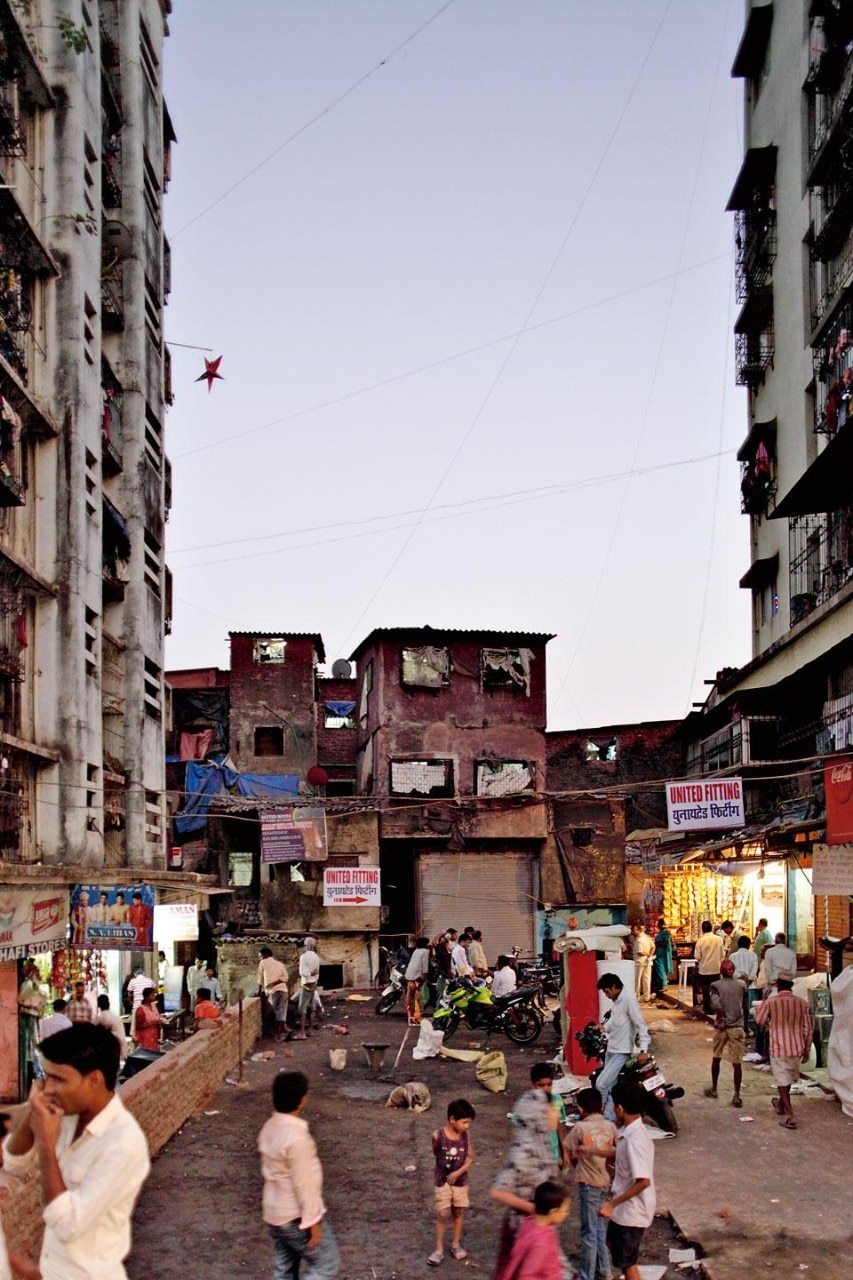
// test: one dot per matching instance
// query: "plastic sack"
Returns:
(491, 1072)
(429, 1041)
(840, 1054)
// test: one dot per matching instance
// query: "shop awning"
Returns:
(753, 45)
(756, 174)
(826, 484)
(761, 572)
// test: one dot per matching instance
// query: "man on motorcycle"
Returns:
(625, 1025)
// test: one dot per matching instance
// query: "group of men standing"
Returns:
(274, 983)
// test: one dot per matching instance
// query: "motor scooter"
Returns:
(659, 1095)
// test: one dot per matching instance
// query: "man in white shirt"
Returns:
(56, 1021)
(309, 973)
(292, 1203)
(625, 1027)
(779, 959)
(745, 963)
(195, 979)
(114, 1023)
(462, 966)
(505, 980)
(91, 1153)
(274, 981)
(708, 953)
(644, 957)
(211, 981)
(632, 1203)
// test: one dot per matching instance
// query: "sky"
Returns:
(470, 273)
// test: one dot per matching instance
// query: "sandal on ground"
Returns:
(457, 1252)
(788, 1123)
(435, 1259)
(711, 1093)
(777, 1106)
(737, 1102)
(300, 1036)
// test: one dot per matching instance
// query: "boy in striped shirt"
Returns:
(787, 1018)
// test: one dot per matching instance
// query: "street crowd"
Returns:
(93, 1158)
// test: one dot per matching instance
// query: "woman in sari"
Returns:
(663, 958)
(146, 1023)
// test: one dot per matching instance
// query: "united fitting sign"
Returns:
(352, 887)
(705, 806)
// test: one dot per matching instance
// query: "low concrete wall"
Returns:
(161, 1098)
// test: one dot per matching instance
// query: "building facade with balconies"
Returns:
(84, 138)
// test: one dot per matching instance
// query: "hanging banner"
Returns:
(705, 806)
(294, 834)
(832, 870)
(352, 887)
(838, 785)
(112, 917)
(32, 921)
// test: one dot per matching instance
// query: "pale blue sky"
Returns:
(420, 218)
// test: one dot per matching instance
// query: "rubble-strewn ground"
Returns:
(200, 1207)
(759, 1199)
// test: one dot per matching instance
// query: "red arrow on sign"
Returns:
(338, 901)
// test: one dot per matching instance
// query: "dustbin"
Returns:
(138, 1061)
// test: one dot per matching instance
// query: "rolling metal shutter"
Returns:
(494, 892)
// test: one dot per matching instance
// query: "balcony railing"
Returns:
(820, 559)
(13, 140)
(112, 298)
(112, 435)
(833, 367)
(755, 250)
(754, 354)
(831, 79)
(757, 486)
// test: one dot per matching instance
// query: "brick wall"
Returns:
(161, 1097)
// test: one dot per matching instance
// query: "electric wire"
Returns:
(515, 341)
(644, 417)
(501, 501)
(333, 401)
(303, 128)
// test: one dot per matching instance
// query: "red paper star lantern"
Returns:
(210, 372)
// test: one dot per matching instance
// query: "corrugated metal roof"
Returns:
(498, 638)
(286, 635)
(225, 804)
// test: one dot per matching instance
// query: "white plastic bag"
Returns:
(429, 1042)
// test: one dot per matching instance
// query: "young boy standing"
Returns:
(454, 1156)
(536, 1254)
(631, 1206)
(591, 1143)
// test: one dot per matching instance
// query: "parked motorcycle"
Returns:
(395, 989)
(659, 1095)
(514, 1014)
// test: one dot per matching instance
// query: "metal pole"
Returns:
(240, 1040)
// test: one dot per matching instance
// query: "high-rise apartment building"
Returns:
(84, 480)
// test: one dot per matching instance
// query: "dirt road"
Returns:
(199, 1211)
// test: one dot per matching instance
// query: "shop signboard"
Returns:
(705, 805)
(832, 870)
(112, 917)
(32, 920)
(176, 922)
(294, 834)
(838, 785)
(352, 887)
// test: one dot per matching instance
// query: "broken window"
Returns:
(366, 686)
(269, 741)
(425, 667)
(421, 778)
(269, 650)
(503, 777)
(338, 715)
(602, 749)
(506, 669)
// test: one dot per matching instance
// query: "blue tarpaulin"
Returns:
(204, 782)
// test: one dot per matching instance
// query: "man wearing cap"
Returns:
(787, 1018)
(726, 995)
(309, 973)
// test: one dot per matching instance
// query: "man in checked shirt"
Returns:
(787, 1018)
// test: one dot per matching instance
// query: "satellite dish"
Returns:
(341, 669)
(117, 238)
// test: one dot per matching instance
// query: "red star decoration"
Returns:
(210, 372)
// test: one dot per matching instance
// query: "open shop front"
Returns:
(742, 881)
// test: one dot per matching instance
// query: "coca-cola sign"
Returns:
(838, 784)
